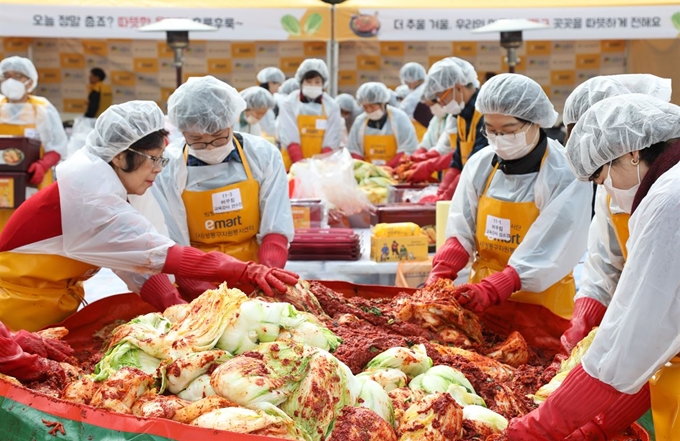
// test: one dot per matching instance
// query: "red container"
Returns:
(17, 153)
(421, 215)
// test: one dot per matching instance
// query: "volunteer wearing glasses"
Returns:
(223, 190)
(90, 219)
(258, 102)
(309, 122)
(383, 133)
(519, 213)
(24, 114)
(630, 144)
(413, 75)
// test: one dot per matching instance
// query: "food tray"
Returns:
(24, 152)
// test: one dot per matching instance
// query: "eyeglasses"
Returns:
(155, 160)
(440, 98)
(485, 133)
(14, 75)
(204, 145)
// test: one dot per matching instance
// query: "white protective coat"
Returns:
(433, 133)
(267, 168)
(557, 239)
(411, 101)
(251, 129)
(640, 331)
(604, 261)
(287, 131)
(267, 124)
(398, 124)
(443, 145)
(48, 126)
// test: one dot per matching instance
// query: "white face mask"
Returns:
(312, 92)
(13, 89)
(453, 107)
(510, 147)
(214, 155)
(437, 110)
(623, 198)
(376, 115)
(251, 120)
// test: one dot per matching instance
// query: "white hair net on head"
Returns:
(469, 72)
(122, 125)
(258, 98)
(22, 65)
(312, 65)
(598, 88)
(204, 105)
(411, 72)
(372, 93)
(271, 74)
(346, 102)
(289, 86)
(443, 75)
(402, 91)
(619, 125)
(518, 96)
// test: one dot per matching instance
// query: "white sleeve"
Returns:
(287, 131)
(51, 129)
(267, 123)
(604, 261)
(443, 145)
(407, 141)
(641, 328)
(333, 133)
(356, 136)
(431, 136)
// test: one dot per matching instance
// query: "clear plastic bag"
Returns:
(81, 127)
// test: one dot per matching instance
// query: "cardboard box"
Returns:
(399, 249)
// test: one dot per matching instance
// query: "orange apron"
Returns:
(226, 219)
(20, 130)
(312, 129)
(501, 227)
(420, 130)
(664, 388)
(380, 149)
(620, 223)
(467, 140)
(37, 290)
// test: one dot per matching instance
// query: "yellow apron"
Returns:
(226, 219)
(20, 130)
(467, 140)
(312, 129)
(380, 149)
(508, 223)
(37, 290)
(620, 223)
(665, 393)
(105, 96)
(420, 130)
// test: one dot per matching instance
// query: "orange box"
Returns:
(465, 49)
(368, 62)
(314, 49)
(347, 78)
(588, 61)
(122, 78)
(562, 77)
(72, 105)
(613, 45)
(219, 66)
(538, 47)
(391, 49)
(145, 65)
(243, 50)
(15, 44)
(72, 61)
(49, 75)
(434, 58)
(96, 47)
(164, 50)
(290, 64)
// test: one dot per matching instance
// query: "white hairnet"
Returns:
(372, 93)
(411, 72)
(122, 125)
(443, 75)
(312, 65)
(347, 102)
(271, 74)
(518, 96)
(402, 91)
(23, 65)
(258, 98)
(204, 105)
(289, 86)
(596, 89)
(469, 72)
(619, 125)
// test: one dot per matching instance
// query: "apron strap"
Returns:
(462, 126)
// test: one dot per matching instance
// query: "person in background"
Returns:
(349, 110)
(309, 122)
(519, 211)
(270, 78)
(99, 95)
(222, 190)
(88, 219)
(436, 138)
(630, 144)
(258, 102)
(31, 116)
(402, 92)
(289, 86)
(382, 134)
(452, 83)
(413, 75)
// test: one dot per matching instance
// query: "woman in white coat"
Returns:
(258, 102)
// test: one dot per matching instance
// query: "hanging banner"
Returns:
(456, 24)
(233, 24)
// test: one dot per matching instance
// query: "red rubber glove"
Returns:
(492, 290)
(273, 251)
(423, 170)
(356, 156)
(326, 150)
(215, 266)
(189, 289)
(394, 162)
(423, 155)
(160, 293)
(448, 185)
(16, 362)
(41, 166)
(578, 400)
(295, 153)
(449, 260)
(588, 313)
(45, 347)
(624, 412)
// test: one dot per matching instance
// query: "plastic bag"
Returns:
(81, 127)
(415, 196)
(330, 177)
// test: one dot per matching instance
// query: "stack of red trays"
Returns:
(325, 244)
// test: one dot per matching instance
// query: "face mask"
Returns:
(251, 120)
(454, 108)
(376, 115)
(13, 89)
(312, 92)
(214, 155)
(622, 198)
(438, 111)
(510, 147)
